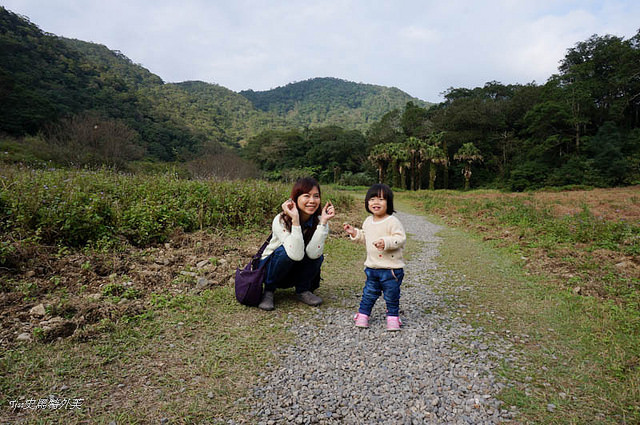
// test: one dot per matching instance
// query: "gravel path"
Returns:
(435, 370)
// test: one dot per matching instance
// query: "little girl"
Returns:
(384, 237)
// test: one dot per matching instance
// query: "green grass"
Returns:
(581, 354)
(193, 358)
(188, 358)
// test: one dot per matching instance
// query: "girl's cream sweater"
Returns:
(391, 231)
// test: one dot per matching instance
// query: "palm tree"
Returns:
(380, 158)
(415, 148)
(401, 161)
(468, 154)
(436, 138)
(435, 156)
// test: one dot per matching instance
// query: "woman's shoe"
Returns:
(362, 320)
(267, 301)
(309, 298)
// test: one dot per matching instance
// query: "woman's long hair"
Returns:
(301, 186)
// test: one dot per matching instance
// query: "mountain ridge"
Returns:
(49, 77)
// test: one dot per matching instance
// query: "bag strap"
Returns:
(262, 248)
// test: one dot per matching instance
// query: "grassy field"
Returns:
(136, 332)
(557, 275)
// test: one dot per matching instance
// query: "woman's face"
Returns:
(308, 203)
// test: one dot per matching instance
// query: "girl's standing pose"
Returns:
(384, 237)
(294, 254)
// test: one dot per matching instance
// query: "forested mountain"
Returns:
(582, 127)
(221, 114)
(330, 101)
(78, 103)
(45, 79)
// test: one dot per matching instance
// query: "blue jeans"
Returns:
(282, 272)
(382, 281)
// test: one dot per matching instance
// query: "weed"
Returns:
(113, 289)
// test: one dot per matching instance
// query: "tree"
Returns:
(387, 130)
(435, 156)
(468, 154)
(415, 150)
(400, 161)
(414, 121)
(88, 139)
(380, 157)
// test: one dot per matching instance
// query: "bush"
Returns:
(75, 208)
(356, 179)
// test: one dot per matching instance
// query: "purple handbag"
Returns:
(249, 280)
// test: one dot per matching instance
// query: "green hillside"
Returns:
(221, 114)
(46, 79)
(331, 101)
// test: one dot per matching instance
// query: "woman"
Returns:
(294, 254)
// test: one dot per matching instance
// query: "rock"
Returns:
(38, 311)
(203, 282)
(202, 263)
(24, 337)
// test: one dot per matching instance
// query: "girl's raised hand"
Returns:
(328, 212)
(351, 231)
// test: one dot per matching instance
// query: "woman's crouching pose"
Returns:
(294, 256)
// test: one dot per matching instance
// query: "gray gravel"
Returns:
(437, 369)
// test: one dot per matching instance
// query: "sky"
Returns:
(422, 47)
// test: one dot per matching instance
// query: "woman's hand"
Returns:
(328, 212)
(351, 231)
(290, 209)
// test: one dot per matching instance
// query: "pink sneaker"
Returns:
(362, 320)
(393, 323)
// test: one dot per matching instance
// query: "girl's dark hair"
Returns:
(383, 191)
(301, 186)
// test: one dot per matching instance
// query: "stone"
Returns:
(24, 337)
(38, 310)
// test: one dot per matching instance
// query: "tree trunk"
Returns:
(445, 176)
(432, 176)
(467, 176)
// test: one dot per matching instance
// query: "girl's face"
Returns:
(378, 206)
(308, 203)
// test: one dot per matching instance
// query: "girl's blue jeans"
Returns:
(282, 272)
(382, 281)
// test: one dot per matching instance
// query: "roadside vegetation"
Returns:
(118, 290)
(557, 274)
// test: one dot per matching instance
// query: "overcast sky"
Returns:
(422, 47)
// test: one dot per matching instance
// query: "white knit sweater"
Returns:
(293, 241)
(391, 231)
